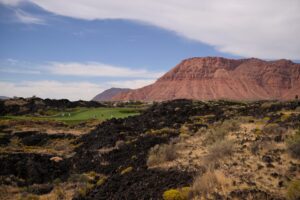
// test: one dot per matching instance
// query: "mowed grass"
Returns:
(82, 114)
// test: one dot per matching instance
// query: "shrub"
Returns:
(127, 170)
(83, 190)
(161, 153)
(185, 192)
(30, 197)
(59, 194)
(40, 189)
(81, 178)
(171, 194)
(273, 129)
(254, 148)
(257, 131)
(231, 125)
(293, 190)
(119, 144)
(219, 150)
(208, 183)
(101, 181)
(221, 130)
(177, 194)
(163, 131)
(293, 145)
(214, 135)
(184, 130)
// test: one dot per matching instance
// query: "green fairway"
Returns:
(83, 114)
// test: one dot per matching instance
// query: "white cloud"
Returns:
(253, 28)
(51, 89)
(10, 2)
(27, 18)
(99, 70)
(70, 90)
(14, 66)
(19, 71)
(12, 61)
(132, 84)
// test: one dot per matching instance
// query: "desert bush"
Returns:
(254, 148)
(163, 131)
(39, 189)
(161, 153)
(231, 125)
(208, 183)
(127, 170)
(101, 181)
(119, 144)
(273, 129)
(220, 131)
(177, 194)
(256, 131)
(184, 130)
(293, 190)
(293, 145)
(29, 197)
(81, 178)
(59, 194)
(218, 151)
(214, 135)
(172, 194)
(83, 190)
(268, 105)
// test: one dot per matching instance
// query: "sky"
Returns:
(75, 49)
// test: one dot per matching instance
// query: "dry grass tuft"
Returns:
(293, 190)
(293, 145)
(161, 153)
(273, 129)
(218, 151)
(209, 182)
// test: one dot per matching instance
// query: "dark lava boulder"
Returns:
(33, 168)
(142, 184)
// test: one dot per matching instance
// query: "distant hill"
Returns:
(210, 78)
(3, 97)
(35, 105)
(107, 95)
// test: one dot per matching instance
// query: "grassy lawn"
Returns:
(82, 114)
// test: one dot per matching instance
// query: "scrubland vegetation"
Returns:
(176, 150)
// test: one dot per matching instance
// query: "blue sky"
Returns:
(76, 49)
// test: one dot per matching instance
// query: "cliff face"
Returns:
(211, 78)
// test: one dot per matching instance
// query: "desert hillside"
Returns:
(211, 78)
(107, 95)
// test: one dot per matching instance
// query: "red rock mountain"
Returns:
(211, 78)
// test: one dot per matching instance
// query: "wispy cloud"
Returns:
(95, 69)
(12, 61)
(51, 89)
(255, 28)
(19, 71)
(27, 18)
(14, 66)
(10, 2)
